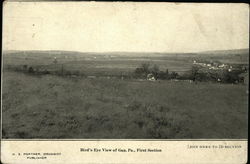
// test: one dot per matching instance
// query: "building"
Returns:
(151, 77)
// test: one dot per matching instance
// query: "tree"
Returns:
(155, 71)
(25, 67)
(162, 75)
(139, 72)
(166, 74)
(145, 67)
(230, 77)
(142, 71)
(194, 72)
(31, 70)
(155, 68)
(173, 75)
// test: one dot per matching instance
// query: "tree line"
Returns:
(196, 73)
(146, 68)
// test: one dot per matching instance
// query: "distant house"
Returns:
(151, 77)
(215, 64)
(222, 66)
(213, 68)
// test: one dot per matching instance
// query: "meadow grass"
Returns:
(58, 107)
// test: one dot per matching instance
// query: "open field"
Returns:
(55, 106)
(50, 106)
(97, 64)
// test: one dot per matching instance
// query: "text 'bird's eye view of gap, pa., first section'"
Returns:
(127, 71)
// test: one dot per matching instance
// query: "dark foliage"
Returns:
(145, 69)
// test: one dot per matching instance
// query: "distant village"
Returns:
(219, 66)
(240, 71)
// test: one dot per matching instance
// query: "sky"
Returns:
(124, 26)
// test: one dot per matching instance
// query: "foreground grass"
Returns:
(57, 107)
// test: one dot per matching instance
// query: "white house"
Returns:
(151, 77)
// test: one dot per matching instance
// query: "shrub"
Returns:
(174, 75)
(25, 67)
(31, 70)
(230, 77)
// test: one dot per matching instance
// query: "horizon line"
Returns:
(129, 51)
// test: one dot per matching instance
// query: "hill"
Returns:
(237, 56)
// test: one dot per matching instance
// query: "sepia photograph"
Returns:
(113, 70)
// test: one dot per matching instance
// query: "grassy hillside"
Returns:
(56, 107)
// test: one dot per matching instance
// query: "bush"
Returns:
(25, 67)
(174, 75)
(46, 71)
(163, 75)
(230, 77)
(153, 121)
(31, 70)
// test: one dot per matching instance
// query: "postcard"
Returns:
(124, 82)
